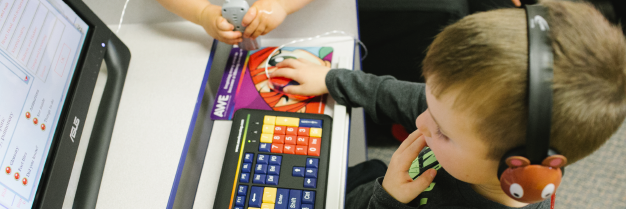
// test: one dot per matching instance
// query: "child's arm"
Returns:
(384, 98)
(209, 16)
(265, 15)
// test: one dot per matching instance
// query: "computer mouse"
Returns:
(279, 83)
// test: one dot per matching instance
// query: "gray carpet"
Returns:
(598, 181)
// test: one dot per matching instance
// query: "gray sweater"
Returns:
(388, 100)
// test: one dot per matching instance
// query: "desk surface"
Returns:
(165, 74)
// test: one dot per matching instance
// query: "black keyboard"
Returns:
(275, 160)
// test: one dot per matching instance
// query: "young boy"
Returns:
(472, 108)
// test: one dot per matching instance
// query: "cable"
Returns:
(122, 17)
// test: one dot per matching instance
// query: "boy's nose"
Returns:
(421, 123)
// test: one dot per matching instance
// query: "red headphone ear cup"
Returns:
(530, 184)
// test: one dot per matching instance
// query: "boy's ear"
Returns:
(555, 161)
(517, 161)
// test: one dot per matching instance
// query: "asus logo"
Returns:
(74, 128)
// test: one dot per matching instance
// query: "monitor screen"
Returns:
(40, 42)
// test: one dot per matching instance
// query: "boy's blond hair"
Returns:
(485, 56)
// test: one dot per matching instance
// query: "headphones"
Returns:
(533, 172)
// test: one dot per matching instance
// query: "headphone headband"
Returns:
(540, 74)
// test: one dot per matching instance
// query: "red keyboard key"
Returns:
(277, 148)
(303, 131)
(314, 151)
(302, 140)
(315, 141)
(292, 131)
(278, 139)
(280, 130)
(290, 139)
(301, 150)
(289, 149)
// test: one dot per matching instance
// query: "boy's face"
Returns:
(451, 136)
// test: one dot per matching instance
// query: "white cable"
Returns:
(122, 17)
(309, 39)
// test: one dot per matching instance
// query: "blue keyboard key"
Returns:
(256, 197)
(310, 173)
(275, 159)
(245, 178)
(272, 180)
(261, 159)
(311, 123)
(246, 167)
(309, 183)
(238, 207)
(294, 199)
(312, 162)
(282, 199)
(258, 179)
(273, 170)
(247, 158)
(265, 147)
(307, 206)
(243, 190)
(240, 200)
(298, 172)
(260, 168)
(308, 197)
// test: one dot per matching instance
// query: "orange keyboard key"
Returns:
(314, 151)
(291, 131)
(278, 139)
(277, 148)
(315, 141)
(302, 140)
(290, 139)
(301, 150)
(289, 149)
(280, 130)
(303, 131)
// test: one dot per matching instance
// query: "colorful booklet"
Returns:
(244, 84)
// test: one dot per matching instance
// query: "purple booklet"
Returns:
(244, 84)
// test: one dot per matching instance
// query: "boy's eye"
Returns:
(441, 135)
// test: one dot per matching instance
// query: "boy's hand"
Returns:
(397, 181)
(311, 76)
(262, 17)
(217, 26)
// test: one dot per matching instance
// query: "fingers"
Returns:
(289, 63)
(423, 181)
(229, 37)
(252, 27)
(410, 153)
(284, 72)
(517, 3)
(408, 141)
(250, 15)
(297, 90)
(222, 24)
(261, 27)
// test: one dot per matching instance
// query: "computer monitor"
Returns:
(50, 56)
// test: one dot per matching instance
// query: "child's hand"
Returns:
(217, 26)
(262, 17)
(397, 181)
(312, 77)
(517, 3)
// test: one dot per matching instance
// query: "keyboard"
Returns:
(275, 160)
